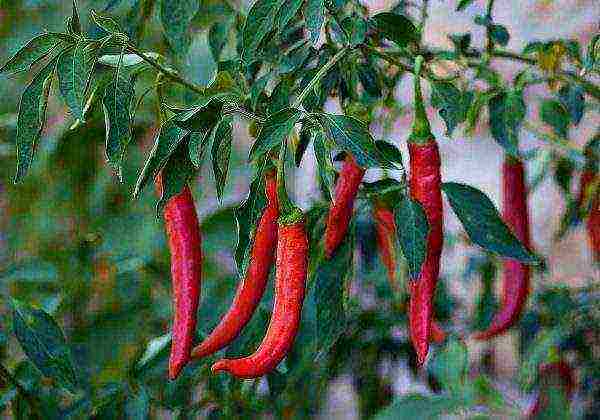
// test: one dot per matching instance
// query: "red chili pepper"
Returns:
(252, 288)
(589, 179)
(425, 188)
(340, 213)
(437, 334)
(183, 232)
(557, 373)
(290, 282)
(516, 275)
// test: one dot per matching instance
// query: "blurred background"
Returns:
(74, 242)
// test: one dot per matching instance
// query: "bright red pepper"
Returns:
(183, 232)
(340, 213)
(425, 188)
(552, 374)
(589, 179)
(252, 287)
(516, 275)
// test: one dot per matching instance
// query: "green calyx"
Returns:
(421, 130)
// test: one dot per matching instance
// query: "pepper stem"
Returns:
(421, 130)
(289, 213)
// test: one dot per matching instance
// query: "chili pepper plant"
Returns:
(304, 238)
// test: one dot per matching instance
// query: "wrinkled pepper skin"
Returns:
(557, 373)
(588, 178)
(515, 275)
(290, 283)
(425, 188)
(340, 212)
(183, 233)
(252, 287)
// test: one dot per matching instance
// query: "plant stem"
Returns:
(320, 74)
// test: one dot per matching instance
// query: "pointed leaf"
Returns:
(412, 229)
(74, 22)
(506, 113)
(106, 23)
(314, 15)
(483, 223)
(175, 16)
(198, 145)
(260, 21)
(397, 28)
(35, 50)
(324, 163)
(176, 174)
(221, 151)
(451, 103)
(412, 407)
(555, 115)
(74, 70)
(277, 127)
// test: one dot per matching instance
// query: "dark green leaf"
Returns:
(32, 116)
(356, 28)
(499, 34)
(304, 139)
(451, 103)
(44, 343)
(175, 16)
(138, 405)
(330, 280)
(277, 127)
(555, 115)
(217, 38)
(74, 69)
(199, 65)
(198, 145)
(412, 407)
(175, 175)
(483, 223)
(74, 22)
(287, 11)
(202, 116)
(35, 50)
(506, 113)
(397, 28)
(221, 151)
(324, 163)
(166, 142)
(106, 23)
(369, 79)
(451, 365)
(391, 152)
(314, 15)
(260, 21)
(258, 88)
(573, 99)
(295, 58)
(280, 97)
(462, 4)
(353, 136)
(412, 229)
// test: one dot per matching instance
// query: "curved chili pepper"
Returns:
(183, 232)
(425, 188)
(252, 287)
(340, 212)
(589, 177)
(553, 372)
(516, 275)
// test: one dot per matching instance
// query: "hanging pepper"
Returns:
(340, 212)
(252, 287)
(290, 282)
(516, 275)
(552, 375)
(183, 233)
(425, 188)
(589, 181)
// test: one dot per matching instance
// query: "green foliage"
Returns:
(412, 228)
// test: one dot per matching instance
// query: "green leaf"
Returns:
(221, 151)
(499, 34)
(74, 21)
(175, 175)
(138, 405)
(324, 163)
(167, 140)
(32, 116)
(356, 28)
(287, 11)
(200, 67)
(44, 343)
(476, 107)
(202, 116)
(353, 136)
(462, 4)
(506, 113)
(260, 21)
(218, 35)
(483, 223)
(175, 16)
(573, 99)
(413, 407)
(116, 104)
(277, 127)
(35, 50)
(74, 69)
(451, 365)
(154, 349)
(126, 60)
(330, 280)
(295, 58)
(314, 15)
(555, 115)
(412, 228)
(106, 23)
(397, 28)
(452, 104)
(198, 145)
(390, 151)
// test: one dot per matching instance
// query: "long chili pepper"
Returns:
(552, 374)
(588, 181)
(340, 212)
(516, 275)
(385, 227)
(425, 187)
(183, 232)
(252, 287)
(290, 281)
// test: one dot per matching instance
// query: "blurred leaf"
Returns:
(287, 11)
(200, 67)
(314, 14)
(217, 38)
(487, 394)
(356, 28)
(175, 175)
(260, 21)
(462, 4)
(276, 128)
(304, 139)
(474, 112)
(451, 365)
(32, 116)
(221, 151)
(105, 22)
(506, 113)
(573, 99)
(44, 343)
(175, 16)
(397, 28)
(483, 223)
(412, 229)
(74, 69)
(412, 407)
(452, 104)
(138, 405)
(499, 34)
(35, 50)
(555, 115)
(156, 347)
